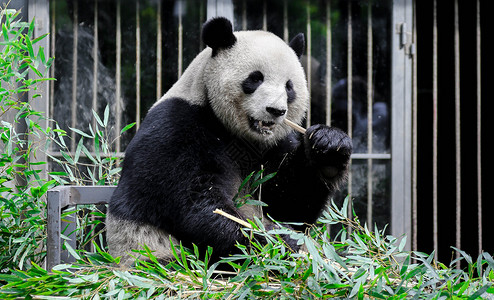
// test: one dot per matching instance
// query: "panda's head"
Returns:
(254, 80)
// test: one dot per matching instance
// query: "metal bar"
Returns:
(103, 155)
(309, 65)
(159, 52)
(414, 133)
(52, 54)
(264, 16)
(75, 31)
(201, 21)
(53, 224)
(83, 195)
(401, 109)
(369, 114)
(59, 198)
(370, 156)
(39, 10)
(286, 36)
(329, 63)
(434, 131)
(244, 15)
(138, 65)
(349, 95)
(457, 129)
(95, 60)
(118, 77)
(479, 131)
(180, 39)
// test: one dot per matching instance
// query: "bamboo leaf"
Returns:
(97, 118)
(80, 132)
(129, 126)
(106, 116)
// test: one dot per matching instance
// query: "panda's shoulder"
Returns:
(171, 115)
(172, 109)
(176, 120)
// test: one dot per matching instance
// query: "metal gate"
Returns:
(367, 69)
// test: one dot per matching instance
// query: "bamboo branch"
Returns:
(295, 126)
(233, 218)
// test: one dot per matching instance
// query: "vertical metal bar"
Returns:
(349, 94)
(264, 16)
(414, 132)
(52, 54)
(244, 15)
(95, 60)
(286, 36)
(201, 21)
(118, 77)
(328, 63)
(159, 37)
(53, 229)
(457, 130)
(180, 40)
(138, 65)
(401, 121)
(40, 11)
(75, 33)
(479, 136)
(370, 93)
(309, 66)
(434, 131)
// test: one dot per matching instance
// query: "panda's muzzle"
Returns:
(262, 127)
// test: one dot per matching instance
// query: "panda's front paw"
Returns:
(328, 148)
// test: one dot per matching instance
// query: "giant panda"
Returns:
(222, 120)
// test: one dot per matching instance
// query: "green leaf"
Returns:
(127, 127)
(106, 116)
(72, 251)
(67, 157)
(30, 48)
(5, 32)
(97, 118)
(263, 180)
(78, 150)
(479, 292)
(405, 265)
(31, 29)
(81, 132)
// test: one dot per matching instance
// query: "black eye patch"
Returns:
(252, 82)
(290, 92)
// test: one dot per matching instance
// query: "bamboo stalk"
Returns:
(233, 218)
(295, 126)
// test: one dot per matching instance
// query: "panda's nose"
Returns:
(275, 111)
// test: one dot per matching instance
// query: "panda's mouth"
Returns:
(262, 127)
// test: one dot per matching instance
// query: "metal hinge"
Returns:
(405, 39)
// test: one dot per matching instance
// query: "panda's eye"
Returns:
(290, 92)
(252, 82)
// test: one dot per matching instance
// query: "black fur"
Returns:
(290, 92)
(179, 168)
(298, 44)
(217, 33)
(252, 82)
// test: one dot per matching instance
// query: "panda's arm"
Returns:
(314, 166)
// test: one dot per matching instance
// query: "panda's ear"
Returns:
(217, 33)
(298, 44)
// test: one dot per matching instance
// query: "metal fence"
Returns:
(449, 207)
(367, 65)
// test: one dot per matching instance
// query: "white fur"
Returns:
(127, 235)
(220, 78)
